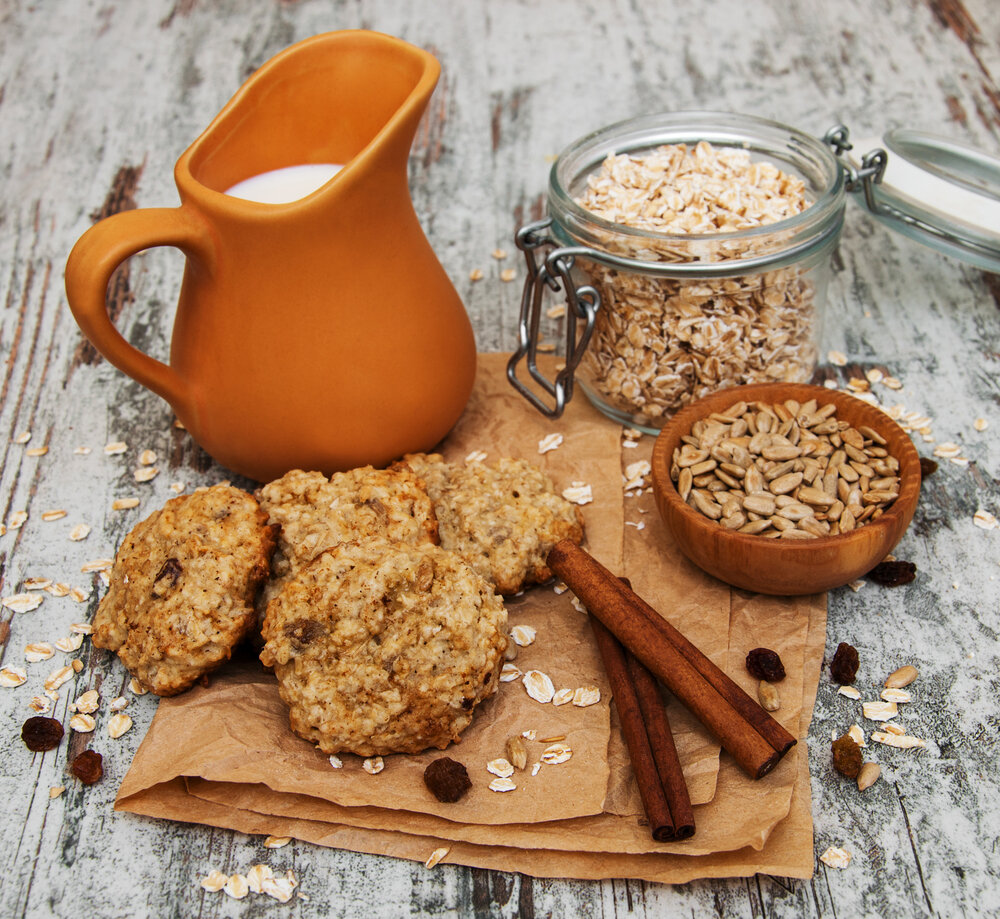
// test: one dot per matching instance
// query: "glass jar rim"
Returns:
(645, 132)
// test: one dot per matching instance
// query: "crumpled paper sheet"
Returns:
(248, 772)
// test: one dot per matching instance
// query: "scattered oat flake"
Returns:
(214, 881)
(373, 765)
(562, 697)
(509, 673)
(578, 606)
(40, 704)
(11, 677)
(476, 456)
(81, 451)
(837, 358)
(116, 447)
(79, 594)
(58, 677)
(256, 877)
(557, 311)
(578, 493)
(36, 451)
(892, 383)
(38, 651)
(874, 375)
(22, 603)
(856, 585)
(136, 687)
(476, 274)
(836, 858)
(893, 694)
(98, 564)
(146, 473)
(585, 696)
(276, 842)
(637, 470)
(280, 889)
(850, 692)
(436, 856)
(124, 504)
(902, 741)
(82, 723)
(538, 686)
(879, 711)
(81, 628)
(80, 532)
(17, 519)
(502, 785)
(147, 457)
(49, 516)
(118, 724)
(118, 704)
(177, 487)
(23, 438)
(336, 762)
(980, 424)
(556, 754)
(508, 274)
(857, 735)
(523, 635)
(56, 790)
(559, 588)
(893, 728)
(550, 442)
(88, 702)
(529, 735)
(984, 520)
(58, 589)
(77, 665)
(236, 886)
(36, 583)
(500, 767)
(535, 767)
(499, 254)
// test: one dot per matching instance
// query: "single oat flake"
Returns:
(879, 711)
(37, 583)
(276, 842)
(113, 449)
(147, 458)
(556, 754)
(585, 696)
(49, 516)
(98, 564)
(56, 790)
(88, 702)
(80, 532)
(893, 694)
(837, 358)
(336, 762)
(17, 519)
(835, 857)
(58, 677)
(508, 274)
(124, 504)
(22, 603)
(136, 687)
(23, 438)
(539, 686)
(373, 765)
(502, 785)
(436, 856)
(523, 635)
(38, 651)
(11, 677)
(82, 723)
(118, 704)
(36, 451)
(562, 697)
(119, 724)
(280, 889)
(214, 881)
(476, 274)
(578, 493)
(980, 424)
(984, 520)
(902, 741)
(70, 644)
(476, 456)
(257, 875)
(850, 691)
(145, 473)
(550, 442)
(236, 887)
(500, 767)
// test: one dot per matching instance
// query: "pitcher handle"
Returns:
(88, 271)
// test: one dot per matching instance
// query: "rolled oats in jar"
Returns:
(695, 248)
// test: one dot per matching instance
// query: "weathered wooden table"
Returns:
(96, 103)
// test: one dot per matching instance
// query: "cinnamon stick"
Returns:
(661, 742)
(615, 606)
(654, 801)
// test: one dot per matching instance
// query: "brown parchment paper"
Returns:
(255, 773)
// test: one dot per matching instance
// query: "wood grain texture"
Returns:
(97, 101)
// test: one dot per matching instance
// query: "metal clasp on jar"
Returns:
(549, 265)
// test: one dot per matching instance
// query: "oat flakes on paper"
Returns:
(539, 686)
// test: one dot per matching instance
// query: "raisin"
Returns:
(88, 767)
(927, 467)
(764, 664)
(303, 632)
(893, 574)
(447, 780)
(847, 756)
(40, 734)
(844, 666)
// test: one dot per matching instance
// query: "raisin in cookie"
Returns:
(183, 587)
(316, 513)
(383, 647)
(501, 519)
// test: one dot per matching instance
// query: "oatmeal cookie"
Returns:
(183, 587)
(383, 647)
(316, 513)
(501, 519)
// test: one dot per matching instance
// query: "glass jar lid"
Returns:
(931, 189)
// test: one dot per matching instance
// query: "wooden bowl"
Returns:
(785, 567)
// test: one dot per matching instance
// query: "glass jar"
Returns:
(657, 319)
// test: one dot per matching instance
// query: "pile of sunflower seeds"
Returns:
(785, 470)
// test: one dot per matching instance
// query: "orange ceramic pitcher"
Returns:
(319, 334)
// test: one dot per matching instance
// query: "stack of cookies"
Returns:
(376, 592)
